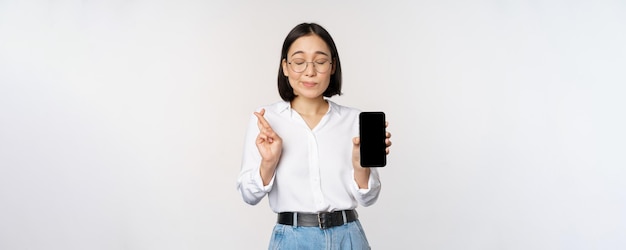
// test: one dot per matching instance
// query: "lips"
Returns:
(309, 84)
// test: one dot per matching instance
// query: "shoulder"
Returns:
(276, 107)
(344, 110)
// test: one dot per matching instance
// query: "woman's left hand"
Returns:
(361, 174)
(356, 148)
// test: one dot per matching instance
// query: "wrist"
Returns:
(360, 169)
(268, 164)
(362, 176)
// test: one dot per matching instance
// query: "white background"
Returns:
(122, 122)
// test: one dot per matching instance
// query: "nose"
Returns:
(310, 70)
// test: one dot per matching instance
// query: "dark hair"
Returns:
(304, 29)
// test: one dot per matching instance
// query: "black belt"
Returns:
(322, 220)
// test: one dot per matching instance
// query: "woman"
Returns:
(303, 152)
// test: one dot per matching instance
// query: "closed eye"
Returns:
(298, 61)
(321, 62)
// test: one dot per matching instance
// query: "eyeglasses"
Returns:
(299, 65)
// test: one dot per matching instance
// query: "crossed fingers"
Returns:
(266, 132)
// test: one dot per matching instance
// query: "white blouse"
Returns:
(314, 173)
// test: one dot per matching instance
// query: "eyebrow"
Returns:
(316, 52)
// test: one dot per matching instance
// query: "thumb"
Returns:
(356, 141)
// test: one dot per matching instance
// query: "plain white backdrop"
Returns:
(122, 122)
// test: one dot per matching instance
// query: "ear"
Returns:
(333, 68)
(285, 68)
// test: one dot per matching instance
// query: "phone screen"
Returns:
(372, 133)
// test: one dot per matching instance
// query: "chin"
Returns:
(309, 95)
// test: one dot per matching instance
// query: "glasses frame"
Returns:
(330, 62)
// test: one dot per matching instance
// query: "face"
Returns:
(313, 52)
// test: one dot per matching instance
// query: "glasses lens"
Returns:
(322, 66)
(298, 65)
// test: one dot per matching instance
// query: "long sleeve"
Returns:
(367, 197)
(249, 183)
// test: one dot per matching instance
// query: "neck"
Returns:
(309, 106)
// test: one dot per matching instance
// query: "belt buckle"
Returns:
(323, 220)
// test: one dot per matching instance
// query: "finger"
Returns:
(258, 121)
(260, 139)
(388, 135)
(269, 132)
(356, 141)
(263, 140)
(387, 150)
(259, 125)
(388, 142)
(261, 122)
(261, 118)
(269, 135)
(261, 113)
(386, 124)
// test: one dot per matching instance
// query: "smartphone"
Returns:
(373, 134)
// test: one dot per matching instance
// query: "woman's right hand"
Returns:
(270, 145)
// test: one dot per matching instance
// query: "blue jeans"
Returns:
(349, 236)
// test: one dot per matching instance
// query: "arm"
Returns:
(270, 147)
(367, 181)
(257, 172)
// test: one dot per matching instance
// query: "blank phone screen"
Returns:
(372, 134)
